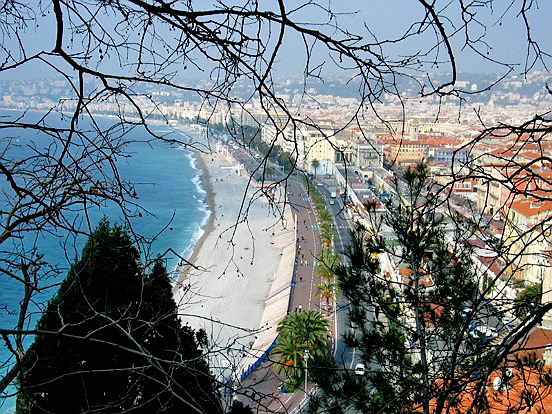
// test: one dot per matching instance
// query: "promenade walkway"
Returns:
(267, 396)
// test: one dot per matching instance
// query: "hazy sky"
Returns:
(386, 19)
(503, 29)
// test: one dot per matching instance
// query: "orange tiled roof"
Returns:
(535, 343)
(531, 207)
(526, 393)
(440, 142)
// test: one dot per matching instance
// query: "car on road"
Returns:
(486, 333)
(360, 369)
(332, 202)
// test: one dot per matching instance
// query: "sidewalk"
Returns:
(267, 395)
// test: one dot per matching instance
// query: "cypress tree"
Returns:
(112, 340)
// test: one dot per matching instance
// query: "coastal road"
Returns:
(265, 384)
(345, 357)
(303, 296)
(267, 395)
(304, 290)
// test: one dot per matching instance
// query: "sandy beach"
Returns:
(226, 295)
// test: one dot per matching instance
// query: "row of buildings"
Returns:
(503, 181)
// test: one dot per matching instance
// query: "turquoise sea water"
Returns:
(167, 183)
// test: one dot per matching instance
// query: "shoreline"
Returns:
(208, 227)
(225, 287)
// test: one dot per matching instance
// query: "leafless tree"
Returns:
(116, 54)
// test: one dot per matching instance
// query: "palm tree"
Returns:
(309, 330)
(326, 291)
(326, 233)
(299, 332)
(290, 355)
(326, 263)
(306, 331)
(315, 164)
(289, 324)
(325, 216)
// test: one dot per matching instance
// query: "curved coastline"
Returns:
(205, 224)
(226, 294)
(208, 226)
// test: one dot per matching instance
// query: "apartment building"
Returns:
(413, 127)
(528, 238)
(404, 151)
(520, 197)
(368, 154)
(308, 144)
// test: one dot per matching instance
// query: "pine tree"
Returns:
(413, 328)
(112, 340)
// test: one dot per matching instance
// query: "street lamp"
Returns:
(306, 358)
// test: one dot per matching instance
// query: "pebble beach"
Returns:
(234, 262)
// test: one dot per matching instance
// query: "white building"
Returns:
(308, 144)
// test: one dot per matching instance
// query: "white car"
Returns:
(486, 332)
(359, 369)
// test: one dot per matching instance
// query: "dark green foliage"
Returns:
(325, 217)
(112, 340)
(315, 164)
(300, 333)
(528, 300)
(410, 335)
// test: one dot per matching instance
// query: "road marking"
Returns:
(282, 406)
(352, 359)
(311, 209)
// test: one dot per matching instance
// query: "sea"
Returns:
(173, 211)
